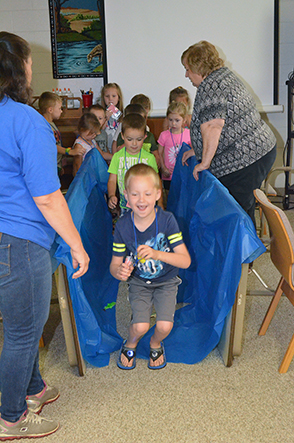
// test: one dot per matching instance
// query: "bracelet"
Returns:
(67, 151)
(110, 196)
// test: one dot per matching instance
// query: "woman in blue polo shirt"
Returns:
(32, 208)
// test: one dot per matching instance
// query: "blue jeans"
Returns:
(25, 293)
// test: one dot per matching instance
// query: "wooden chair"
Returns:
(271, 192)
(282, 256)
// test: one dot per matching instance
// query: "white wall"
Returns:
(159, 31)
(30, 20)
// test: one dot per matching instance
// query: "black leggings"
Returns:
(242, 183)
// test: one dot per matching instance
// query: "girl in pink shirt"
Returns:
(170, 141)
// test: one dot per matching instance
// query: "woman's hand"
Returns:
(186, 155)
(55, 210)
(79, 258)
(198, 168)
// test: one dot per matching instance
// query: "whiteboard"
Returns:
(145, 41)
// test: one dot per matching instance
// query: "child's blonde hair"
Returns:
(177, 108)
(181, 92)
(142, 170)
(89, 122)
(143, 100)
(47, 100)
(119, 105)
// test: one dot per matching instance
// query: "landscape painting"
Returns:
(78, 38)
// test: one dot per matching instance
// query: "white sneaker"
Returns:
(36, 402)
(28, 426)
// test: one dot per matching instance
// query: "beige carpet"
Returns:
(203, 403)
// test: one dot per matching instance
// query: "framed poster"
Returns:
(78, 38)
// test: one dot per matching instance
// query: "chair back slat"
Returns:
(282, 237)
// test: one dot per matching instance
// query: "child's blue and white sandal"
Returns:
(129, 353)
(154, 355)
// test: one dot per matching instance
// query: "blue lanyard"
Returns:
(177, 149)
(90, 144)
(135, 235)
(139, 159)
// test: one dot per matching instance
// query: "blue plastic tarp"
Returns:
(220, 237)
(93, 295)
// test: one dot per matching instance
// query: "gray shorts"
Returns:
(162, 295)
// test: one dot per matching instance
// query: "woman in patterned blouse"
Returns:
(227, 134)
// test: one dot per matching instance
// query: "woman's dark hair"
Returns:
(14, 53)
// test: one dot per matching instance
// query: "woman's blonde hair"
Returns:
(177, 108)
(202, 58)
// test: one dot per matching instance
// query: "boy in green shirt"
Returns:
(133, 133)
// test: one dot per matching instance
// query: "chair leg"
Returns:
(272, 307)
(287, 357)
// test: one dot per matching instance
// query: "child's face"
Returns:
(142, 195)
(134, 139)
(56, 110)
(175, 122)
(111, 96)
(88, 135)
(100, 115)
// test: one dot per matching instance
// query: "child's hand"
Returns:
(112, 202)
(146, 252)
(165, 172)
(124, 270)
(108, 113)
(78, 150)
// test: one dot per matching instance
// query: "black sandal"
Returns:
(154, 354)
(129, 353)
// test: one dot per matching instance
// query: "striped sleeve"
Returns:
(118, 248)
(174, 238)
(173, 233)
